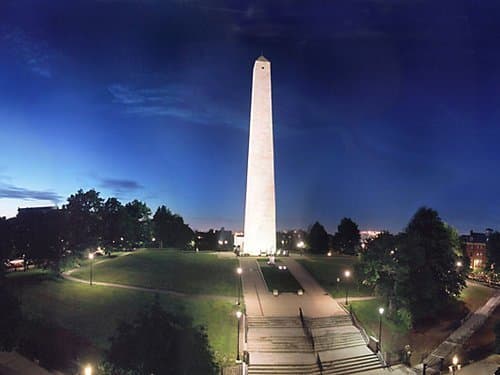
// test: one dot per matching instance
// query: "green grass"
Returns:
(476, 295)
(367, 313)
(326, 270)
(282, 280)
(94, 312)
(186, 272)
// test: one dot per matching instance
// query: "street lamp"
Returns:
(238, 316)
(91, 257)
(347, 274)
(87, 370)
(239, 271)
(380, 312)
(455, 366)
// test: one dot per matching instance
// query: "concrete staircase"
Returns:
(351, 365)
(274, 322)
(329, 321)
(340, 340)
(279, 345)
(293, 369)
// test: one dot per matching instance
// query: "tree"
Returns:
(5, 240)
(138, 223)
(84, 219)
(317, 239)
(38, 236)
(378, 265)
(427, 277)
(114, 219)
(493, 251)
(347, 238)
(170, 229)
(157, 342)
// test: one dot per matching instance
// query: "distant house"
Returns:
(35, 210)
(475, 248)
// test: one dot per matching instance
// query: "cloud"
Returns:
(36, 54)
(120, 186)
(15, 192)
(183, 102)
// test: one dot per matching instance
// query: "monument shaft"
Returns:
(260, 204)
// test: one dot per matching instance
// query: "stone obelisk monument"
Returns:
(260, 204)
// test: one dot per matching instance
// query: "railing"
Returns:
(357, 324)
(310, 337)
(246, 328)
(366, 337)
(318, 362)
(306, 329)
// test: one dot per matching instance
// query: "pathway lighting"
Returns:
(380, 312)
(347, 274)
(91, 258)
(238, 316)
(239, 271)
(455, 366)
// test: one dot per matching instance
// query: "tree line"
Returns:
(88, 221)
(345, 241)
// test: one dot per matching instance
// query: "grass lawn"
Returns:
(475, 295)
(326, 270)
(94, 312)
(422, 340)
(187, 272)
(275, 278)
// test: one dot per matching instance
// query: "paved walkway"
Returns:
(274, 325)
(459, 337)
(315, 302)
(486, 366)
(13, 363)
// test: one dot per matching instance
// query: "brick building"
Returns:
(475, 248)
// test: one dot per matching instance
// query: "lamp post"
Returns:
(347, 274)
(87, 370)
(455, 366)
(91, 257)
(239, 271)
(238, 316)
(380, 312)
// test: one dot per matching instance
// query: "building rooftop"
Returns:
(262, 58)
(475, 237)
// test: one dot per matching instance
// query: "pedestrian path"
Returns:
(300, 334)
(459, 337)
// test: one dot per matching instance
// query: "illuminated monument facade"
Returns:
(260, 204)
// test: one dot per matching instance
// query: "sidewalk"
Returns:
(259, 301)
(457, 338)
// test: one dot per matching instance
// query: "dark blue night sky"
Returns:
(380, 107)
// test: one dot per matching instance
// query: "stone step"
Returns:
(274, 322)
(330, 321)
(348, 336)
(324, 348)
(352, 365)
(351, 370)
(311, 369)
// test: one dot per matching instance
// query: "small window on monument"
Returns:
(262, 68)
